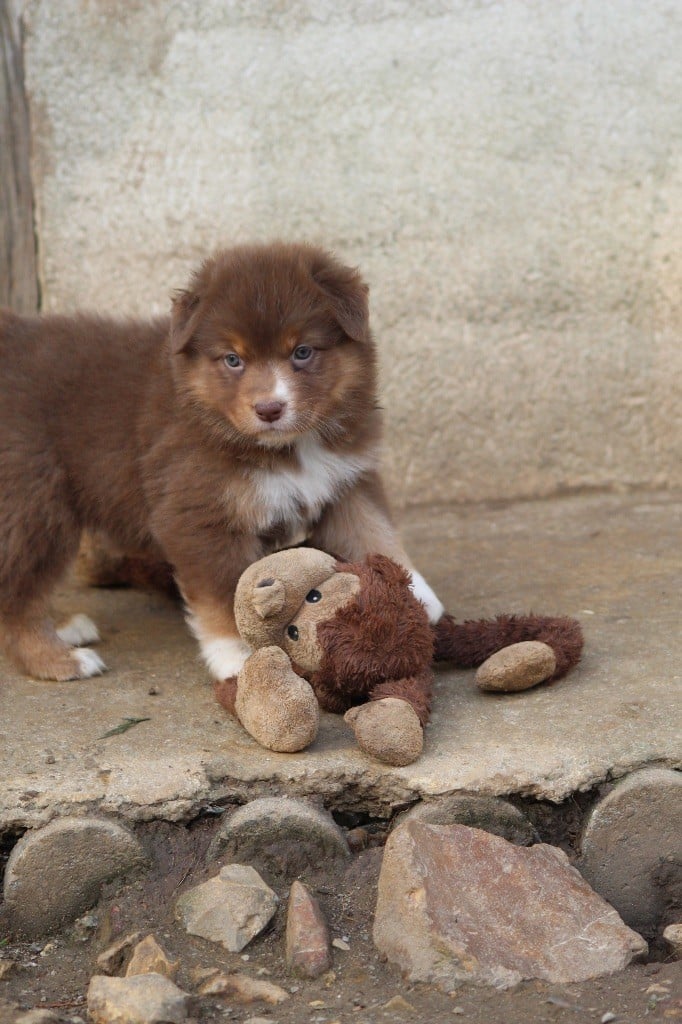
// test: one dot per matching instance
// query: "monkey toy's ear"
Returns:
(268, 598)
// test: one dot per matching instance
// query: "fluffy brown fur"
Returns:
(379, 645)
(468, 644)
(246, 419)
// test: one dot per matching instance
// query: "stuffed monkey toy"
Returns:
(350, 637)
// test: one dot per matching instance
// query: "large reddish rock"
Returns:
(456, 904)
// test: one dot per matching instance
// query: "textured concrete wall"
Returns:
(508, 174)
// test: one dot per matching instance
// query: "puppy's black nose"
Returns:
(269, 411)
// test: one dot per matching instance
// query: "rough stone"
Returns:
(517, 667)
(231, 908)
(489, 813)
(457, 904)
(307, 935)
(631, 848)
(56, 872)
(673, 936)
(144, 999)
(6, 968)
(111, 959)
(149, 958)
(37, 1016)
(281, 831)
(243, 989)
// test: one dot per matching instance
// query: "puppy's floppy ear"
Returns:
(183, 319)
(347, 295)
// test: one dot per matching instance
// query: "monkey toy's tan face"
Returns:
(283, 598)
(321, 603)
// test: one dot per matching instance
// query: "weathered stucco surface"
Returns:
(508, 174)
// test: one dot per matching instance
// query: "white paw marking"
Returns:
(423, 592)
(89, 663)
(224, 656)
(78, 631)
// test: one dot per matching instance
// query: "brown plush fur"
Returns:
(468, 644)
(202, 440)
(377, 646)
(358, 635)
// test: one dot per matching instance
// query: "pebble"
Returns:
(143, 999)
(231, 908)
(340, 944)
(307, 936)
(399, 1005)
(111, 960)
(243, 988)
(149, 958)
(673, 936)
(6, 968)
(37, 1016)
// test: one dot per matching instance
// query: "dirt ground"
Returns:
(55, 972)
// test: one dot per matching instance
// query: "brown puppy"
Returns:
(246, 421)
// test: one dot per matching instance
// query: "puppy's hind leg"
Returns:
(38, 539)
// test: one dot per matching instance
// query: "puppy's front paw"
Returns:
(276, 706)
(387, 729)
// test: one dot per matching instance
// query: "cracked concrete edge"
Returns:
(377, 794)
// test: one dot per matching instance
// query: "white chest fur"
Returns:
(296, 495)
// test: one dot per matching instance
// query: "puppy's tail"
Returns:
(468, 644)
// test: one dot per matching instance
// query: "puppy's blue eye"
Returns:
(302, 353)
(232, 360)
(292, 632)
(313, 596)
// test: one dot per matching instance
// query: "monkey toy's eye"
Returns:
(292, 632)
(313, 596)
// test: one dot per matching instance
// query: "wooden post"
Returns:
(18, 270)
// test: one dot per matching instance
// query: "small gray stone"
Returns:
(632, 846)
(265, 827)
(490, 813)
(54, 873)
(231, 908)
(142, 999)
(457, 904)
